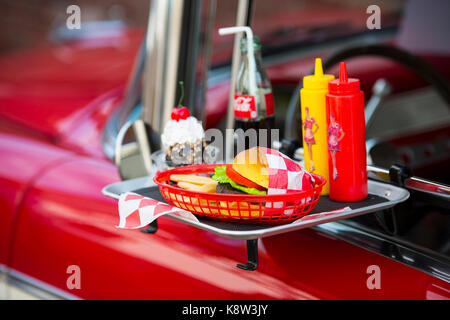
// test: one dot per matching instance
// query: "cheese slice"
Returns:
(252, 164)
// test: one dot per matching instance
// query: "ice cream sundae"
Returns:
(183, 139)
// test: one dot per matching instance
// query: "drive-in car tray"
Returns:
(381, 196)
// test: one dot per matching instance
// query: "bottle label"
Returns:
(268, 97)
(245, 106)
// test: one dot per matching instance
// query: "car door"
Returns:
(65, 245)
(22, 161)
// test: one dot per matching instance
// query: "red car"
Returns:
(61, 106)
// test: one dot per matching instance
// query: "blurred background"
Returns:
(26, 23)
(36, 45)
(65, 88)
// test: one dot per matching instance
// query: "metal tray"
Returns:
(383, 196)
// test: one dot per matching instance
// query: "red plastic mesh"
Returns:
(268, 209)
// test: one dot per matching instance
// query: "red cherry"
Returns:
(175, 115)
(184, 113)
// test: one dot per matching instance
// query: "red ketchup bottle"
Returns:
(346, 139)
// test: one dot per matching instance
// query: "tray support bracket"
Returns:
(252, 256)
(151, 228)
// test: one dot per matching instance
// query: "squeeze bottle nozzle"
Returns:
(344, 84)
(318, 70)
(318, 80)
(343, 77)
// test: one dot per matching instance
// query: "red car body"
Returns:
(53, 214)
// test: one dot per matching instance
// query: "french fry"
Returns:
(209, 187)
(191, 179)
(189, 186)
(241, 209)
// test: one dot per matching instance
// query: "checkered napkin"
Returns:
(136, 211)
(285, 175)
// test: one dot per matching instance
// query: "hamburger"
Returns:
(248, 174)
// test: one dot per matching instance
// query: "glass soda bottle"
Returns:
(253, 108)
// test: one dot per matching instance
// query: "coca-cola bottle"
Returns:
(253, 99)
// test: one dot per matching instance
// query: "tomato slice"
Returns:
(236, 177)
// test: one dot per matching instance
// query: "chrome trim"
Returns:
(377, 173)
(162, 60)
(124, 113)
(118, 143)
(3, 286)
(33, 286)
(412, 183)
(128, 149)
(427, 186)
(144, 144)
(138, 149)
(423, 260)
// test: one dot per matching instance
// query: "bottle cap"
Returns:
(318, 80)
(344, 84)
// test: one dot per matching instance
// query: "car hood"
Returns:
(51, 89)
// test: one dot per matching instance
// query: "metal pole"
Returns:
(160, 78)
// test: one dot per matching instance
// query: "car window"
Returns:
(295, 23)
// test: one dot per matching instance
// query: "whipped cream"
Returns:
(182, 131)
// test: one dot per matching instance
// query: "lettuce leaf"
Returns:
(221, 176)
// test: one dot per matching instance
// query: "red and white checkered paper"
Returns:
(285, 175)
(136, 211)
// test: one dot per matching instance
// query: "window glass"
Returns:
(292, 23)
(29, 24)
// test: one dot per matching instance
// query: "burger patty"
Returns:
(227, 188)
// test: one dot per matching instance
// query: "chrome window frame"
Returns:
(391, 247)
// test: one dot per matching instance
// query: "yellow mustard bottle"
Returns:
(314, 122)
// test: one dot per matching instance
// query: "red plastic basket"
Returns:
(268, 209)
